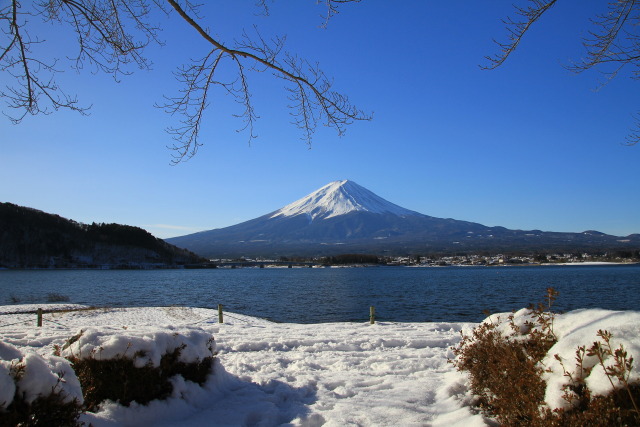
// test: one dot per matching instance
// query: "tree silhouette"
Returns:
(111, 36)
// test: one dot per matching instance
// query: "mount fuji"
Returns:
(344, 217)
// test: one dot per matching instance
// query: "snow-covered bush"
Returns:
(503, 368)
(534, 367)
(36, 390)
(590, 373)
(137, 365)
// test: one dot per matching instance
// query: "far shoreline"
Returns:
(269, 266)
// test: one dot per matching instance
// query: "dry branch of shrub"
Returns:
(119, 379)
(50, 410)
(506, 374)
(53, 409)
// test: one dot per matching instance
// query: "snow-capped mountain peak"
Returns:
(339, 198)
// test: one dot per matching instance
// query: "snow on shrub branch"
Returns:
(145, 346)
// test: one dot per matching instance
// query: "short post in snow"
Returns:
(220, 320)
(372, 315)
(39, 312)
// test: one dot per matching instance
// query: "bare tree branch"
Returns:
(517, 29)
(36, 90)
(103, 30)
(331, 5)
(332, 8)
(634, 136)
(111, 37)
(105, 40)
(616, 42)
(312, 99)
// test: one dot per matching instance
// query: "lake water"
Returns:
(309, 295)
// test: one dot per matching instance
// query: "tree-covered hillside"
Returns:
(32, 238)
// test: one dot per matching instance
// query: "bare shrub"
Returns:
(503, 374)
(121, 381)
(130, 375)
(507, 378)
(49, 410)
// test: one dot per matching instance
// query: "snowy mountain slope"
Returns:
(340, 198)
(343, 217)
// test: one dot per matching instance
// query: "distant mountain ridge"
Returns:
(344, 217)
(30, 238)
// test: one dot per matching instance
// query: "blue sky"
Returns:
(527, 146)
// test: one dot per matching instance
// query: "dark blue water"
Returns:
(308, 295)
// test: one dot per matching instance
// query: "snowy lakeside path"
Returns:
(346, 374)
(269, 374)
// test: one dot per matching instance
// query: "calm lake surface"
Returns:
(309, 295)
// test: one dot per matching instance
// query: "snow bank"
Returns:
(9, 352)
(8, 356)
(270, 374)
(7, 384)
(43, 375)
(145, 346)
(39, 376)
(580, 328)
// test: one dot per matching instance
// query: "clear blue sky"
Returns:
(527, 146)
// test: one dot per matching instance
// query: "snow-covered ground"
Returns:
(332, 374)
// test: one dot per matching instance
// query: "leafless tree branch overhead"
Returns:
(614, 42)
(111, 37)
(312, 100)
(105, 42)
(518, 28)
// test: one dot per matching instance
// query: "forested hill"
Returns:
(32, 238)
